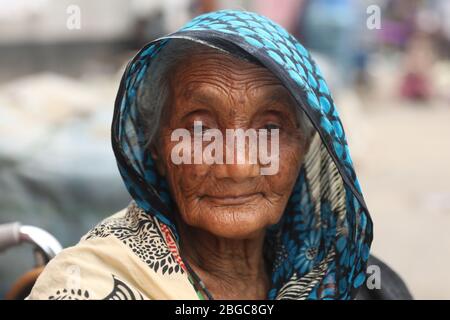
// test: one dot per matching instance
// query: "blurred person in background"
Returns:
(417, 30)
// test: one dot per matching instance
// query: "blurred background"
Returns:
(387, 62)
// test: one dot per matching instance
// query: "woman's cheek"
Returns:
(186, 179)
(291, 158)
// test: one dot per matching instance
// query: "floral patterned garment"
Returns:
(320, 247)
(128, 256)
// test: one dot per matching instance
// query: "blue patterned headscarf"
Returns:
(321, 245)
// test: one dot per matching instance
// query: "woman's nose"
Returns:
(240, 162)
(236, 172)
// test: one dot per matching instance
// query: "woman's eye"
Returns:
(271, 126)
(202, 128)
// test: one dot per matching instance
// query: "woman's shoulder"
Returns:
(97, 267)
(123, 251)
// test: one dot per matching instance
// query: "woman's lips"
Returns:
(232, 200)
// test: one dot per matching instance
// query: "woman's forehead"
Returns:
(211, 76)
(213, 63)
(206, 92)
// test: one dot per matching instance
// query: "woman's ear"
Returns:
(157, 158)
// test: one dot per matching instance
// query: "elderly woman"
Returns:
(206, 225)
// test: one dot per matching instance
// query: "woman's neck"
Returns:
(230, 269)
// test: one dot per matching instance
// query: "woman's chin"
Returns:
(233, 224)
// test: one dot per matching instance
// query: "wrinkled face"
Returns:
(229, 200)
